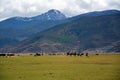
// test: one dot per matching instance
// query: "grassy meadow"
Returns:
(60, 67)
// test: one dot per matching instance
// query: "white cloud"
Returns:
(11, 8)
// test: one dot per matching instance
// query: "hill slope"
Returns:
(17, 29)
(82, 33)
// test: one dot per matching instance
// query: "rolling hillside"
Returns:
(80, 33)
(17, 29)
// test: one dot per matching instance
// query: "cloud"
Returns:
(11, 8)
(116, 4)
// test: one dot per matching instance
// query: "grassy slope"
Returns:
(102, 67)
(80, 34)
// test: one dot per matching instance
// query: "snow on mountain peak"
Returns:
(51, 15)
(23, 19)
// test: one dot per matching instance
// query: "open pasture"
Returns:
(60, 67)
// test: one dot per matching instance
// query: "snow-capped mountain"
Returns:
(16, 28)
(94, 30)
(50, 15)
(22, 22)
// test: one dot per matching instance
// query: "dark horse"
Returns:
(37, 54)
(71, 53)
(3, 55)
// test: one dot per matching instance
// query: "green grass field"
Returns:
(26, 67)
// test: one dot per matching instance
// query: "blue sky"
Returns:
(28, 8)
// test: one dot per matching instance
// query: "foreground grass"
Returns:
(101, 67)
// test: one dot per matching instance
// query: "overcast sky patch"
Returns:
(28, 8)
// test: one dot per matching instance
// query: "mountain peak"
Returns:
(51, 15)
(54, 11)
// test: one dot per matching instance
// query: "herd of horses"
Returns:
(38, 54)
(69, 53)
(76, 54)
(6, 55)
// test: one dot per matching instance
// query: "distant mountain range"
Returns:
(94, 31)
(17, 29)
